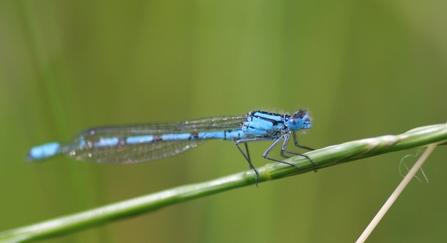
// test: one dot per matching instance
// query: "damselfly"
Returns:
(139, 143)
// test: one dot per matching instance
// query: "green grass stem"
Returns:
(325, 157)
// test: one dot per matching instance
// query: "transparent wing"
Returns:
(108, 144)
(135, 153)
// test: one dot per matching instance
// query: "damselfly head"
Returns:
(299, 120)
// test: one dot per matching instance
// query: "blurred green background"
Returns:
(362, 68)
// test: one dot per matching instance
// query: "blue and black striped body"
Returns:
(138, 143)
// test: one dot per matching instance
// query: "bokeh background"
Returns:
(363, 68)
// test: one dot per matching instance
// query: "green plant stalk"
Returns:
(325, 157)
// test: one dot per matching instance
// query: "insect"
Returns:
(139, 143)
